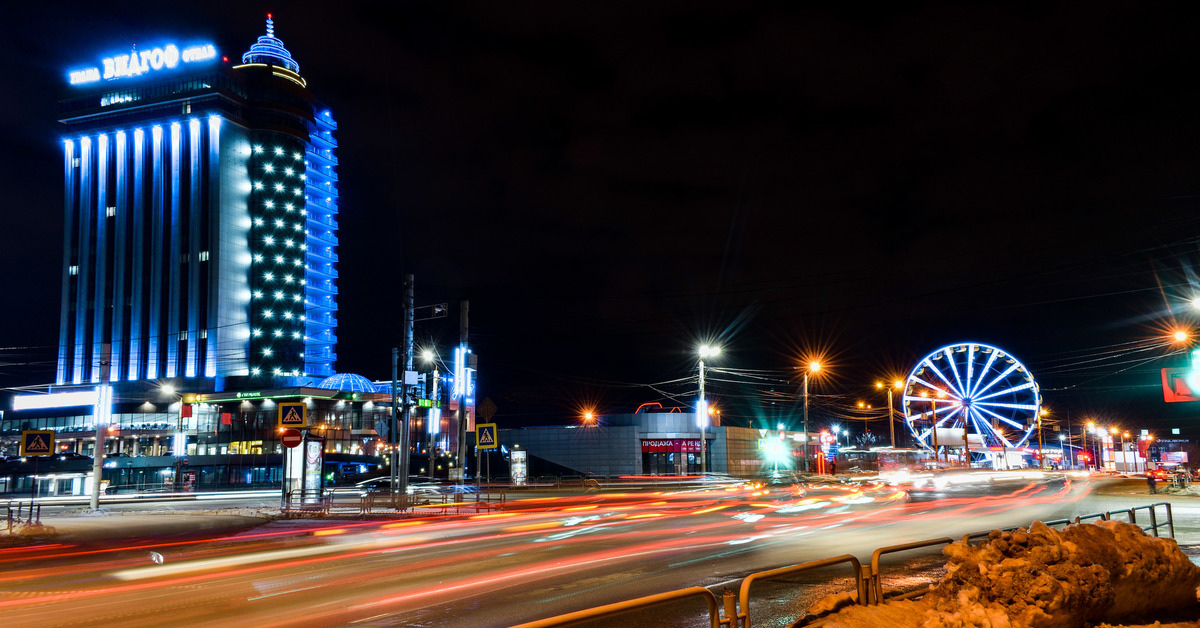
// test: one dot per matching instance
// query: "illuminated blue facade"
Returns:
(200, 219)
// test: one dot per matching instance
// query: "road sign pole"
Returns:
(101, 414)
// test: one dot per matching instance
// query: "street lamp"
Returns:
(1125, 454)
(813, 367)
(702, 407)
(1041, 456)
(896, 385)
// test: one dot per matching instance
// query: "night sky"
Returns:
(610, 184)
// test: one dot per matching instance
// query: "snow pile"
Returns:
(1045, 578)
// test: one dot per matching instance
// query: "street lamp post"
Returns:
(702, 408)
(891, 417)
(813, 367)
(1125, 454)
(1041, 456)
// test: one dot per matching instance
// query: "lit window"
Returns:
(110, 212)
(203, 256)
(73, 270)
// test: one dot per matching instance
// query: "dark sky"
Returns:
(611, 183)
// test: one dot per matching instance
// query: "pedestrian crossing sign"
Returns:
(293, 415)
(485, 436)
(37, 443)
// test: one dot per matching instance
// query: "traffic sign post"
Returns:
(486, 436)
(293, 415)
(291, 438)
(37, 443)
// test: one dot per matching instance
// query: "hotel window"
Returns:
(110, 211)
(73, 270)
(203, 256)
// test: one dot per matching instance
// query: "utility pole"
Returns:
(102, 414)
(408, 362)
(395, 431)
(462, 388)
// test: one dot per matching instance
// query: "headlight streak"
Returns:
(374, 541)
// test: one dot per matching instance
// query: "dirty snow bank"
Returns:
(1045, 578)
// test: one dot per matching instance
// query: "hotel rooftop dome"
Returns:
(269, 49)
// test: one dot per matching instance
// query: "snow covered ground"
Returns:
(1084, 575)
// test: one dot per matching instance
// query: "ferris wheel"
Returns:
(974, 385)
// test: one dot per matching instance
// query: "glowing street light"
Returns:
(813, 367)
(702, 407)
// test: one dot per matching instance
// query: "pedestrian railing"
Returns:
(307, 502)
(20, 513)
(868, 583)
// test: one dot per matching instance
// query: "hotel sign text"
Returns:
(139, 62)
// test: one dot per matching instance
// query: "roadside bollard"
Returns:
(729, 601)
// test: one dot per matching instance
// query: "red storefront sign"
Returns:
(671, 445)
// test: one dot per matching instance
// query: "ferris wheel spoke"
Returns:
(958, 378)
(999, 417)
(987, 368)
(1006, 391)
(953, 394)
(970, 369)
(940, 374)
(999, 378)
(1011, 406)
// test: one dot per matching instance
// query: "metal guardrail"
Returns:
(744, 591)
(610, 610)
(874, 584)
(868, 583)
(307, 502)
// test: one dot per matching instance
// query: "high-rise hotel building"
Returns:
(201, 211)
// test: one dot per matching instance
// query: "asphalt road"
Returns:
(541, 556)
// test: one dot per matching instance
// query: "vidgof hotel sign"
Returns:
(139, 62)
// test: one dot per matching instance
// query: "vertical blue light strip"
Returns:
(154, 308)
(120, 352)
(195, 230)
(100, 298)
(84, 266)
(214, 175)
(138, 231)
(68, 225)
(174, 255)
